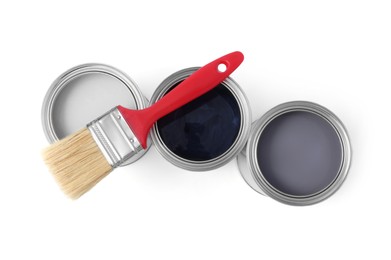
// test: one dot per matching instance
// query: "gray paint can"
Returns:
(84, 93)
(206, 133)
(298, 153)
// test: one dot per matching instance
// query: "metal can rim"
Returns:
(235, 148)
(306, 106)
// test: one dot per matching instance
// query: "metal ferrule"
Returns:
(114, 137)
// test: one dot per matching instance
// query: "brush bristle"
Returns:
(77, 163)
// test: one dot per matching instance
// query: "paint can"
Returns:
(82, 94)
(206, 133)
(298, 153)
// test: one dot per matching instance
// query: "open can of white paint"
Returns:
(84, 93)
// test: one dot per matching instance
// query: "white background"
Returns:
(335, 53)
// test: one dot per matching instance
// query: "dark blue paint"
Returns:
(203, 129)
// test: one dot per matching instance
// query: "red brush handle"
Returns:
(197, 84)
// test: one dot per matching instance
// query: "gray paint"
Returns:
(299, 153)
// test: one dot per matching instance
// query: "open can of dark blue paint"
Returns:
(206, 133)
(298, 153)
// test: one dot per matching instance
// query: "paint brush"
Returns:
(79, 161)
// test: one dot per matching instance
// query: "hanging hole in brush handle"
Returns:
(197, 84)
(222, 67)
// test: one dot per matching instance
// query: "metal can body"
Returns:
(298, 153)
(206, 133)
(84, 93)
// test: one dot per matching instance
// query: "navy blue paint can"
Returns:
(206, 133)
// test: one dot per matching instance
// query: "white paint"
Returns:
(87, 97)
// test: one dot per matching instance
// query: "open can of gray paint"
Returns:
(84, 93)
(206, 133)
(298, 153)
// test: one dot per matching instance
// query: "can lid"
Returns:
(82, 94)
